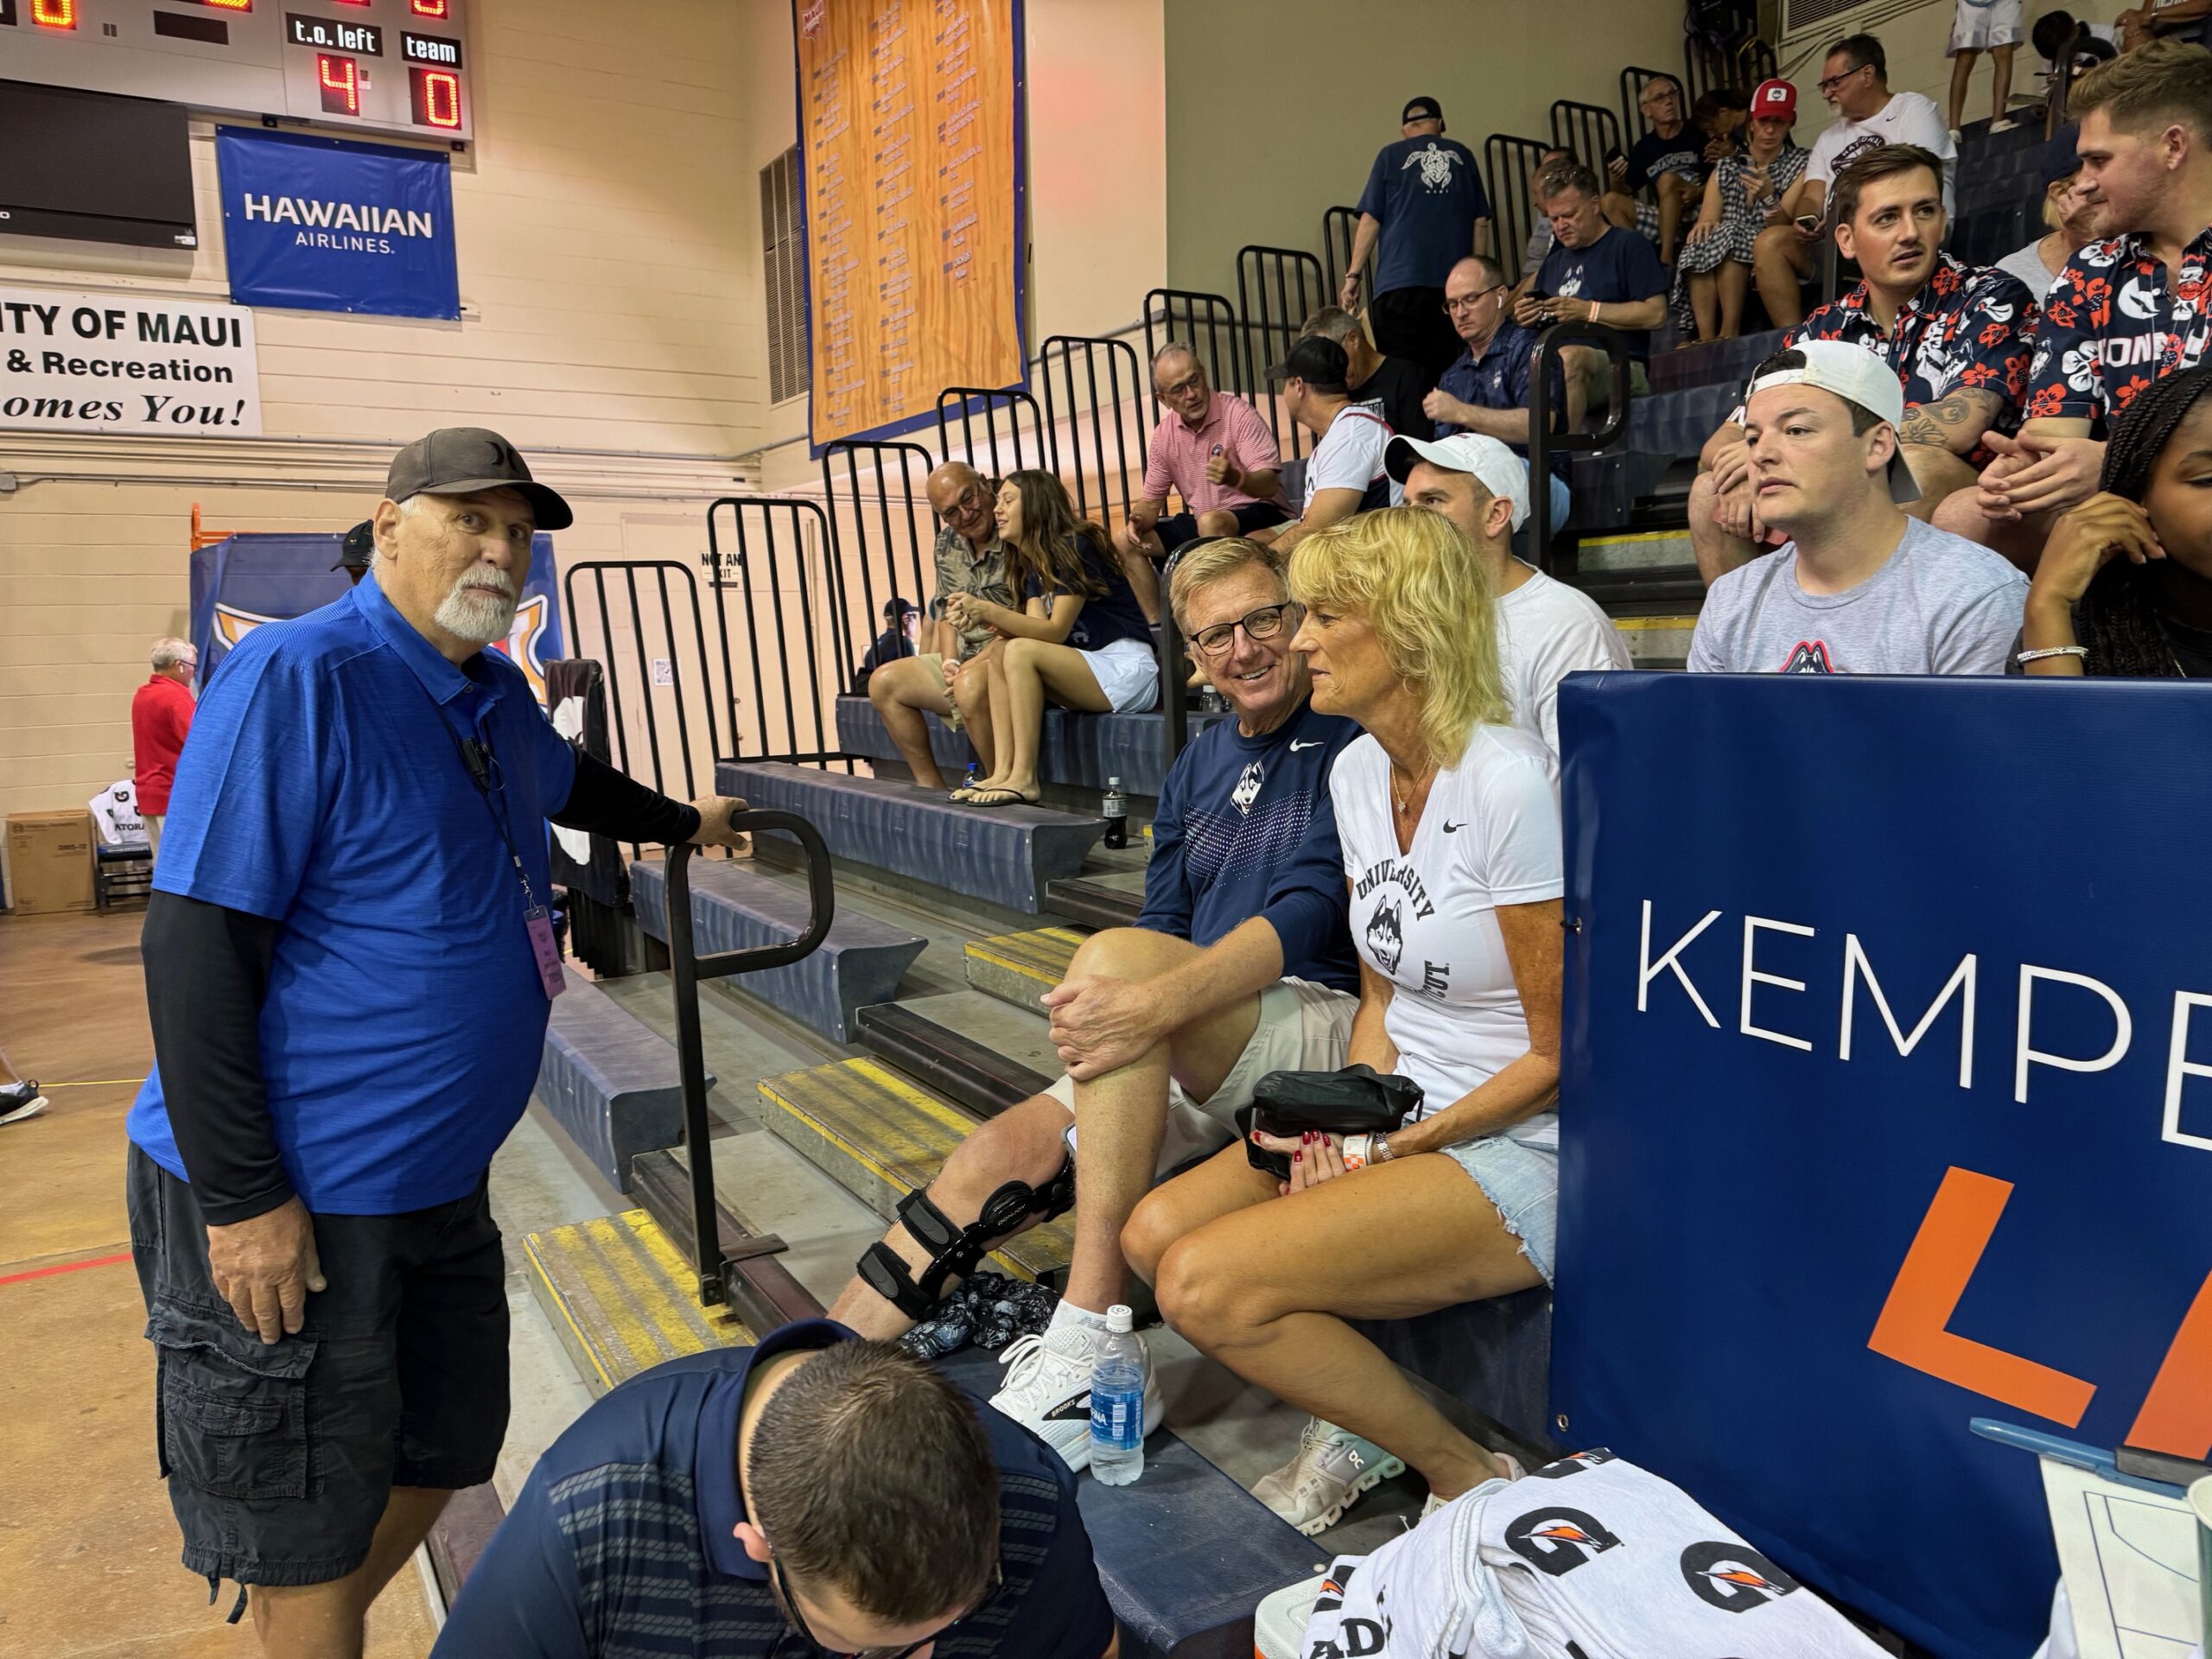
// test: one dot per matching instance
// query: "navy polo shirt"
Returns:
(622, 1541)
(1620, 265)
(1501, 381)
(322, 787)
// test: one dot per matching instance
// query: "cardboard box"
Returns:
(50, 861)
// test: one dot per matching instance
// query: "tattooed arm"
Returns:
(1955, 423)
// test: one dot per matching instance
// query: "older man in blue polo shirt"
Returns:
(348, 966)
(815, 1495)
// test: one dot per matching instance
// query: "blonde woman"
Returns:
(1448, 816)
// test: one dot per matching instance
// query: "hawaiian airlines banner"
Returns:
(327, 224)
(911, 144)
(1887, 1104)
(245, 579)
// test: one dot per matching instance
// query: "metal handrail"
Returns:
(686, 970)
(1543, 443)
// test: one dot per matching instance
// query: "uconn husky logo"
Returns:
(1248, 788)
(1386, 935)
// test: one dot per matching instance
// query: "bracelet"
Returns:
(1595, 309)
(2082, 651)
(1360, 1150)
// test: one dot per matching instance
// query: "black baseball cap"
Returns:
(2060, 159)
(358, 547)
(1321, 364)
(1421, 109)
(460, 459)
(897, 610)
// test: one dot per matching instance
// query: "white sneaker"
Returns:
(19, 1100)
(2002, 124)
(1513, 1471)
(1334, 1468)
(1047, 1388)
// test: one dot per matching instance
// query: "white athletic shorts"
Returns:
(1981, 24)
(1302, 1028)
(1128, 672)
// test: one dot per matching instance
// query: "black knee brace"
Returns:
(954, 1250)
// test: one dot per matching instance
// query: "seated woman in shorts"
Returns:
(1742, 197)
(1448, 816)
(1080, 641)
(2124, 587)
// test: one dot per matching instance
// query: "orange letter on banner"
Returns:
(1944, 1253)
(2177, 1414)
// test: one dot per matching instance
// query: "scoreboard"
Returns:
(388, 66)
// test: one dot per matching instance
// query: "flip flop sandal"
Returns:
(999, 797)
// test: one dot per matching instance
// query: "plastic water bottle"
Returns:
(1115, 810)
(1211, 701)
(1117, 1403)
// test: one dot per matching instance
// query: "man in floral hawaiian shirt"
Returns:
(2127, 310)
(1958, 337)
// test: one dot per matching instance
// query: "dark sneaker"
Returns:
(20, 1100)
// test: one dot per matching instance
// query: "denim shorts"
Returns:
(1522, 1183)
(280, 1456)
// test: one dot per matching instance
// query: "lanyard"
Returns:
(484, 772)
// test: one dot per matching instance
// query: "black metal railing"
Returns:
(1547, 435)
(876, 533)
(777, 556)
(1589, 129)
(1095, 389)
(1204, 322)
(1277, 289)
(1339, 232)
(1510, 161)
(652, 645)
(722, 1282)
(996, 410)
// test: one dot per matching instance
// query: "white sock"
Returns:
(1067, 1316)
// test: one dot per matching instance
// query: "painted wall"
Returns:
(1276, 108)
(608, 228)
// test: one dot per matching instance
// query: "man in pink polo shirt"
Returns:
(160, 714)
(1212, 449)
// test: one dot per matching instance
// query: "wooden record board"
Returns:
(910, 124)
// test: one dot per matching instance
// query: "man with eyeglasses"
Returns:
(1486, 390)
(816, 1494)
(1241, 964)
(1854, 80)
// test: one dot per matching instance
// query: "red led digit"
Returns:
(340, 79)
(55, 14)
(437, 98)
(431, 8)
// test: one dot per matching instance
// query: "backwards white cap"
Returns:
(1503, 473)
(1856, 375)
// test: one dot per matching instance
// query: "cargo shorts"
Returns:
(280, 1456)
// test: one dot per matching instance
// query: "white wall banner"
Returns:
(72, 362)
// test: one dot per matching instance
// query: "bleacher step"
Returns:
(1018, 968)
(1005, 855)
(735, 907)
(1093, 903)
(880, 1136)
(609, 1080)
(1657, 642)
(763, 1293)
(619, 1295)
(1080, 751)
(970, 1074)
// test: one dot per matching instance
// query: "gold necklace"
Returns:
(1405, 800)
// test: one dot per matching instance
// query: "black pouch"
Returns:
(1355, 1100)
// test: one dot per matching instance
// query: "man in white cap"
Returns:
(1546, 630)
(1861, 588)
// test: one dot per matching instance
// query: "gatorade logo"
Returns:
(1735, 1577)
(1560, 1469)
(1557, 1541)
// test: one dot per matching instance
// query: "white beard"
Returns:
(480, 618)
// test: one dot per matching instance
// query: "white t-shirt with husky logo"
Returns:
(1426, 920)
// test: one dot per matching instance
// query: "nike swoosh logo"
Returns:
(1069, 1409)
(1312, 743)
(1452, 828)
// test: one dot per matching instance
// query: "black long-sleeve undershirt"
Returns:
(206, 976)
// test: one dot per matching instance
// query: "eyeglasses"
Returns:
(1829, 83)
(1467, 301)
(815, 1650)
(1263, 624)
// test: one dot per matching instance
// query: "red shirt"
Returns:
(160, 717)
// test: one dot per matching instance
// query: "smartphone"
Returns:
(1613, 154)
(1807, 222)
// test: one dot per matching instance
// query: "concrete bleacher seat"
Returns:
(1713, 362)
(609, 1080)
(735, 908)
(1004, 855)
(1186, 1553)
(1677, 424)
(1080, 751)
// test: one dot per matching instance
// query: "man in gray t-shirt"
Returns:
(1861, 588)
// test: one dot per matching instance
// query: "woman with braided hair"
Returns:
(2124, 587)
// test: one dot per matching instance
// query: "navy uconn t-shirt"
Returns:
(1619, 265)
(1428, 194)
